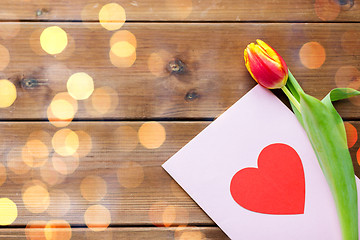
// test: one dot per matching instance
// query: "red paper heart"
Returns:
(277, 186)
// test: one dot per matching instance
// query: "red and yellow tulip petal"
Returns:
(269, 50)
(265, 65)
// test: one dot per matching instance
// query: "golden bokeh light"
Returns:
(62, 109)
(152, 135)
(53, 40)
(80, 86)
(58, 230)
(327, 10)
(123, 49)
(123, 35)
(66, 96)
(122, 52)
(35, 153)
(169, 215)
(157, 62)
(93, 188)
(173, 214)
(122, 62)
(15, 161)
(347, 76)
(184, 234)
(156, 213)
(2, 174)
(7, 92)
(112, 16)
(65, 142)
(97, 218)
(26, 156)
(179, 230)
(37, 144)
(36, 198)
(50, 176)
(35, 230)
(8, 211)
(312, 55)
(182, 215)
(179, 8)
(358, 156)
(34, 42)
(59, 203)
(4, 57)
(59, 123)
(126, 138)
(351, 134)
(65, 165)
(85, 143)
(130, 174)
(104, 100)
(162, 214)
(350, 42)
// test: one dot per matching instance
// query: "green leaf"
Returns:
(340, 94)
(321, 122)
(335, 95)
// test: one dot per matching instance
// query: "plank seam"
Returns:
(355, 119)
(205, 225)
(115, 120)
(170, 21)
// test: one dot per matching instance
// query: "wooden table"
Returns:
(100, 176)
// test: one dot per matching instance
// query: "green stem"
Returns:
(291, 98)
(295, 83)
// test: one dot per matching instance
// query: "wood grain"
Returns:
(189, 10)
(132, 200)
(144, 204)
(189, 66)
(122, 233)
(212, 75)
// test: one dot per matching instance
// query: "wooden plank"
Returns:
(117, 233)
(138, 191)
(211, 78)
(197, 10)
(130, 186)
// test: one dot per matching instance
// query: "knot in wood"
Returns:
(191, 95)
(177, 66)
(41, 11)
(348, 3)
(30, 83)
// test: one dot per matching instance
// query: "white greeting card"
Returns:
(254, 172)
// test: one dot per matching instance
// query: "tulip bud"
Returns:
(265, 65)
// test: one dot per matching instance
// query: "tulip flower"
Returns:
(323, 125)
(267, 67)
